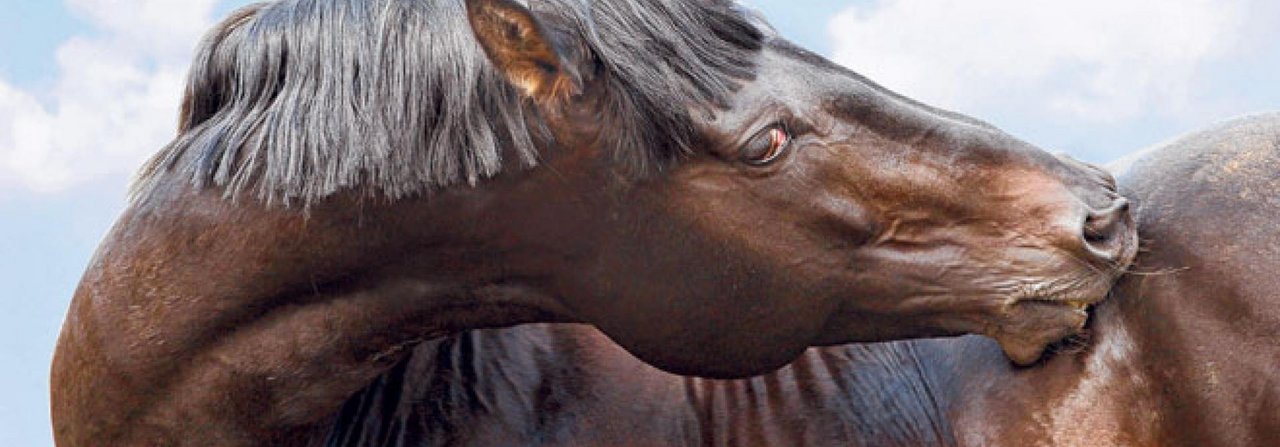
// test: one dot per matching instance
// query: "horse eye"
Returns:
(767, 146)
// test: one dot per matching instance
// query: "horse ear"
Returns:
(518, 44)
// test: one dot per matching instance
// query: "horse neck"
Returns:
(199, 296)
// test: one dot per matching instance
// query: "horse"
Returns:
(1184, 353)
(353, 178)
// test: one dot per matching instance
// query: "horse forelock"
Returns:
(295, 100)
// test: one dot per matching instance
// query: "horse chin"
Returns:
(1033, 325)
(1028, 325)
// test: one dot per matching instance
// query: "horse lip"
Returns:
(1051, 321)
(1081, 305)
(1079, 298)
(1074, 303)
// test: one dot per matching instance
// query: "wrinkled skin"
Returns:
(1183, 354)
(884, 219)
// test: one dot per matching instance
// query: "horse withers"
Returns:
(353, 178)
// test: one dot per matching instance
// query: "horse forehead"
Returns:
(788, 71)
(788, 79)
(799, 81)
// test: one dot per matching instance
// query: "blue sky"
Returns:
(88, 88)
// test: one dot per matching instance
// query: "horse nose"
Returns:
(1107, 180)
(1104, 231)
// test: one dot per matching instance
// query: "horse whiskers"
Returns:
(1117, 269)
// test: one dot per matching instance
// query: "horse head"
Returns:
(787, 203)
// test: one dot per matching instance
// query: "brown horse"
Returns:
(1187, 356)
(352, 178)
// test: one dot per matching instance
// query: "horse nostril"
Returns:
(1101, 228)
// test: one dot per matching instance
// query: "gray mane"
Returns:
(296, 100)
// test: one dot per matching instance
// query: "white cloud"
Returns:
(115, 99)
(1099, 60)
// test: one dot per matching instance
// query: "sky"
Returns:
(89, 89)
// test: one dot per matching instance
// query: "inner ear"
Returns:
(520, 47)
